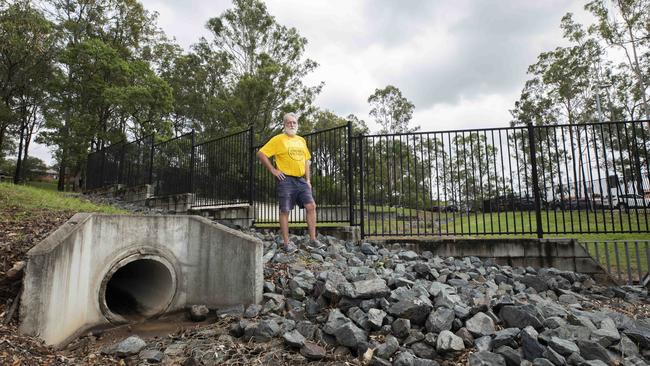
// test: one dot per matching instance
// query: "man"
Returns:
(294, 185)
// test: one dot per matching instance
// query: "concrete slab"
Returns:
(99, 270)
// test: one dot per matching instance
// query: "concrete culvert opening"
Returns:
(139, 289)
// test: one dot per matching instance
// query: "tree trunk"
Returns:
(19, 161)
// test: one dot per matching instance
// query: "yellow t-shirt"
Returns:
(290, 153)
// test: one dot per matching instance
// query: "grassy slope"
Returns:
(23, 199)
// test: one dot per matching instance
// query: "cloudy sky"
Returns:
(462, 63)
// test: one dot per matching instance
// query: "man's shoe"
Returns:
(290, 248)
(315, 243)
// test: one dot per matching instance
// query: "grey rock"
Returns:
(265, 330)
(563, 346)
(531, 347)
(388, 348)
(376, 361)
(520, 316)
(607, 334)
(127, 347)
(633, 361)
(252, 311)
(416, 309)
(483, 343)
(404, 359)
(424, 362)
(366, 289)
(554, 357)
(486, 358)
(306, 328)
(359, 317)
(414, 336)
(401, 327)
(368, 249)
(151, 355)
(440, 320)
(480, 325)
(628, 347)
(448, 341)
(198, 313)
(511, 356)
(294, 338)
(542, 362)
(591, 350)
(350, 335)
(421, 349)
(466, 336)
(335, 320)
(639, 333)
(408, 255)
(312, 351)
(376, 318)
(536, 282)
(506, 337)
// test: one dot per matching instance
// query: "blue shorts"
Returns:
(292, 191)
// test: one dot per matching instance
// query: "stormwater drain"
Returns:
(137, 288)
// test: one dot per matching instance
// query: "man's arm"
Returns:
(308, 172)
(267, 164)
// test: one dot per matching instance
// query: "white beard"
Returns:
(290, 131)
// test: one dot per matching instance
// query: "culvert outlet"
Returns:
(137, 288)
(100, 270)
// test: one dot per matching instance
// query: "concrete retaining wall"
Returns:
(563, 254)
(240, 215)
(66, 274)
(177, 203)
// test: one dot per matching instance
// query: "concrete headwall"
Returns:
(66, 275)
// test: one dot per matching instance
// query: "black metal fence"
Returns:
(127, 163)
(172, 165)
(534, 180)
(625, 260)
(222, 170)
(528, 180)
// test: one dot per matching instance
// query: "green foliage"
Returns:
(391, 110)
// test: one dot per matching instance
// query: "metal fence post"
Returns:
(251, 162)
(361, 183)
(350, 176)
(533, 164)
(192, 164)
(153, 139)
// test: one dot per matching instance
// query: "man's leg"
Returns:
(311, 219)
(284, 226)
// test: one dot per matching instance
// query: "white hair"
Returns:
(289, 115)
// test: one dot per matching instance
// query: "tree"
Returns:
(626, 28)
(105, 88)
(391, 110)
(27, 42)
(266, 68)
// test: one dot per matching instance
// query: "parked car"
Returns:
(631, 200)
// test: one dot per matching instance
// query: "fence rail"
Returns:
(524, 180)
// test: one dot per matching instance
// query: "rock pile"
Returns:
(398, 307)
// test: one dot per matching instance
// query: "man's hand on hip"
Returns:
(278, 174)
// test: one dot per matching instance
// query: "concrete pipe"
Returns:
(136, 288)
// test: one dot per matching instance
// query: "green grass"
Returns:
(521, 223)
(50, 186)
(27, 197)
